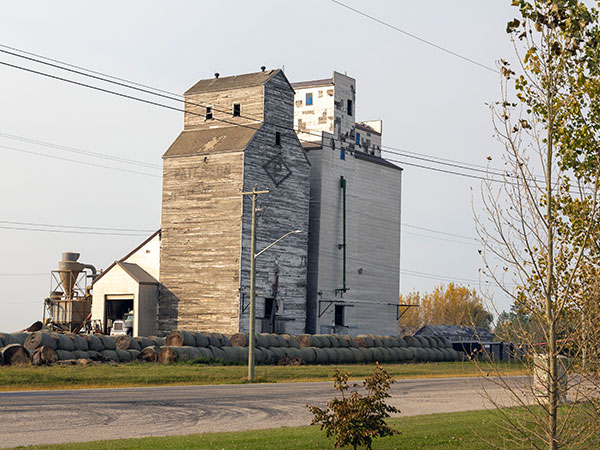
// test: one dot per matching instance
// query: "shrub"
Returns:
(354, 419)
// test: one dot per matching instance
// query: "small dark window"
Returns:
(357, 138)
(237, 109)
(209, 112)
(342, 153)
(278, 138)
(349, 109)
(339, 316)
(309, 99)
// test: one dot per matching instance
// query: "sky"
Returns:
(432, 103)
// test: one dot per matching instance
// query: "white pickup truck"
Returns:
(123, 327)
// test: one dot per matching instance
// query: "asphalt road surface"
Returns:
(47, 417)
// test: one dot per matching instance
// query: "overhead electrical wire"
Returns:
(76, 226)
(424, 41)
(68, 231)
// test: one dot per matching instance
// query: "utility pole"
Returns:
(251, 333)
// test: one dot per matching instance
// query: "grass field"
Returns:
(139, 374)
(465, 431)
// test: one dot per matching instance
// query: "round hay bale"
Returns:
(411, 341)
(334, 340)
(124, 355)
(347, 355)
(82, 354)
(304, 340)
(94, 355)
(134, 354)
(433, 343)
(357, 355)
(107, 341)
(158, 341)
(224, 340)
(363, 341)
(111, 355)
(410, 353)
(345, 341)
(421, 354)
(94, 342)
(149, 354)
(44, 356)
(79, 342)
(262, 340)
(320, 355)
(424, 342)
(388, 341)
(273, 341)
(281, 341)
(332, 355)
(308, 355)
(401, 342)
(39, 339)
(378, 355)
(430, 354)
(394, 356)
(243, 352)
(65, 342)
(200, 340)
(278, 352)
(126, 342)
(269, 355)
(239, 339)
(217, 352)
(446, 343)
(212, 339)
(386, 356)
(167, 355)
(259, 356)
(231, 354)
(193, 352)
(15, 355)
(290, 341)
(19, 338)
(64, 355)
(365, 354)
(204, 353)
(377, 341)
(144, 342)
(323, 340)
(180, 338)
(404, 354)
(6, 339)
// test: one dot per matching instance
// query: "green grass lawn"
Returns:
(140, 374)
(465, 431)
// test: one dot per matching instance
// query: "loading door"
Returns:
(116, 306)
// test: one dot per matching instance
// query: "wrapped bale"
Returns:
(278, 352)
(401, 342)
(290, 341)
(419, 354)
(169, 354)
(82, 354)
(180, 338)
(332, 355)
(323, 340)
(44, 356)
(306, 340)
(269, 356)
(344, 341)
(412, 341)
(111, 355)
(440, 356)
(308, 355)
(14, 355)
(404, 354)
(346, 356)
(39, 339)
(262, 340)
(134, 354)
(333, 340)
(108, 342)
(273, 341)
(367, 356)
(212, 339)
(321, 355)
(217, 352)
(205, 353)
(377, 341)
(94, 342)
(19, 338)
(126, 342)
(223, 340)
(386, 356)
(424, 342)
(124, 355)
(259, 356)
(281, 342)
(149, 354)
(144, 342)
(388, 341)
(364, 341)
(393, 351)
(6, 339)
(65, 355)
(357, 355)
(200, 339)
(429, 354)
(79, 343)
(433, 343)
(94, 355)
(410, 353)
(65, 342)
(158, 341)
(239, 339)
(231, 354)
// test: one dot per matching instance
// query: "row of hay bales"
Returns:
(48, 348)
(312, 349)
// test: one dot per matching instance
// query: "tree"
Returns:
(355, 419)
(446, 305)
(538, 230)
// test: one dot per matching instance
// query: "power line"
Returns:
(23, 274)
(74, 226)
(80, 151)
(424, 41)
(438, 231)
(76, 161)
(440, 238)
(69, 231)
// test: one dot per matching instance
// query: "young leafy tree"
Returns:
(355, 419)
(538, 225)
(446, 305)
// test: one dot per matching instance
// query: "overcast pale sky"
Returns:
(431, 103)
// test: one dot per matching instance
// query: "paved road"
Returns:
(44, 417)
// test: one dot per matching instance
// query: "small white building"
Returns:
(130, 284)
